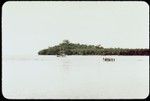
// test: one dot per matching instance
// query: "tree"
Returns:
(66, 41)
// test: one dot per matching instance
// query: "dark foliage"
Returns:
(81, 49)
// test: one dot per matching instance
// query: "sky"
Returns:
(29, 26)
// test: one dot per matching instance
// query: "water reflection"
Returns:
(65, 63)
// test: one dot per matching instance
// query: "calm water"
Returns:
(46, 77)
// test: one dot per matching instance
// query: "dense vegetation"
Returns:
(80, 49)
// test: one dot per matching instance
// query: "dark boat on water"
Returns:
(61, 53)
(109, 59)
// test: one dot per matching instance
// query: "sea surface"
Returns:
(75, 77)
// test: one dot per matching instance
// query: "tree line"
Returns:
(81, 49)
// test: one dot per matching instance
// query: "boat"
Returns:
(109, 59)
(61, 55)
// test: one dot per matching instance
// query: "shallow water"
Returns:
(88, 77)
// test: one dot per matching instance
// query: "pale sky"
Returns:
(29, 26)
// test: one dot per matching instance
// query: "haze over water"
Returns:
(28, 27)
(46, 77)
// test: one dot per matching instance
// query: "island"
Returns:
(69, 48)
